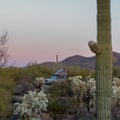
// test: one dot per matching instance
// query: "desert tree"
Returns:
(103, 51)
(4, 57)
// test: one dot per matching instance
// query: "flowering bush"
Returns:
(87, 87)
(33, 103)
(78, 86)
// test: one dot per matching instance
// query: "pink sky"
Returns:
(38, 30)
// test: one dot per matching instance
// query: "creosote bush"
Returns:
(6, 90)
(61, 99)
(11, 75)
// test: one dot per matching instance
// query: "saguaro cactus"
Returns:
(103, 51)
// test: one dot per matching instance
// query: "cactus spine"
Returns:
(103, 61)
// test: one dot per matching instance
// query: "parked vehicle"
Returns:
(58, 75)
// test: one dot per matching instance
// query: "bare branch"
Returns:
(4, 57)
(3, 38)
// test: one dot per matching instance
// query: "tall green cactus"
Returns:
(103, 50)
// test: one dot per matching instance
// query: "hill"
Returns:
(82, 61)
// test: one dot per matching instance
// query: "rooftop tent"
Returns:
(59, 75)
(61, 72)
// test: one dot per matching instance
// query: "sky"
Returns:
(39, 30)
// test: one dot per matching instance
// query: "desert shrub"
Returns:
(74, 71)
(32, 72)
(6, 89)
(39, 70)
(116, 72)
(33, 103)
(60, 88)
(57, 109)
(85, 90)
(32, 106)
(60, 99)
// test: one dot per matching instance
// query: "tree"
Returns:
(103, 51)
(3, 49)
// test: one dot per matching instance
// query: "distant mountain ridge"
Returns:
(83, 62)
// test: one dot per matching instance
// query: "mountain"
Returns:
(116, 57)
(78, 60)
(82, 61)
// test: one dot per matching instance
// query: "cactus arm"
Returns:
(94, 47)
(103, 67)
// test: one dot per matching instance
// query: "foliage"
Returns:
(116, 72)
(74, 71)
(6, 89)
(59, 106)
(60, 88)
(32, 105)
(63, 96)
(87, 88)
(32, 71)
(60, 99)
